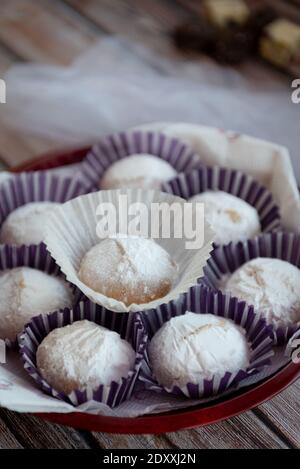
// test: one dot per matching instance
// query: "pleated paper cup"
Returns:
(293, 347)
(128, 326)
(36, 257)
(71, 233)
(118, 146)
(39, 186)
(225, 260)
(233, 182)
(201, 300)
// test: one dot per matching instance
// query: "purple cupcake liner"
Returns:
(117, 146)
(201, 300)
(36, 257)
(226, 259)
(235, 183)
(38, 186)
(127, 325)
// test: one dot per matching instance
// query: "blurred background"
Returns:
(77, 69)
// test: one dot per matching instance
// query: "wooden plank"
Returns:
(36, 433)
(7, 438)
(118, 441)
(7, 58)
(146, 22)
(243, 432)
(42, 31)
(16, 148)
(283, 414)
(132, 17)
(49, 31)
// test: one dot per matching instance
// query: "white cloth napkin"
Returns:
(112, 87)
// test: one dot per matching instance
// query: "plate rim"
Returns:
(181, 419)
(171, 421)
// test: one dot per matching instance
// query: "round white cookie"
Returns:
(194, 347)
(130, 269)
(82, 355)
(26, 224)
(141, 170)
(26, 292)
(231, 218)
(272, 286)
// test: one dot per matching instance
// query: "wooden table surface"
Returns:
(56, 31)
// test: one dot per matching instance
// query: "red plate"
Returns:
(221, 409)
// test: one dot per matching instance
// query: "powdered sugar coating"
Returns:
(230, 217)
(26, 224)
(130, 269)
(272, 286)
(26, 292)
(140, 170)
(82, 355)
(194, 347)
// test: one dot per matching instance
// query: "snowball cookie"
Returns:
(231, 218)
(26, 292)
(26, 224)
(83, 354)
(142, 170)
(272, 286)
(194, 347)
(130, 269)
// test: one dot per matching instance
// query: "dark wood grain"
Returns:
(7, 58)
(41, 31)
(147, 22)
(109, 441)
(246, 431)
(32, 432)
(283, 414)
(7, 438)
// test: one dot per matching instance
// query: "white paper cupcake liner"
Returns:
(226, 259)
(235, 183)
(36, 257)
(39, 186)
(127, 325)
(71, 232)
(201, 300)
(293, 347)
(117, 146)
